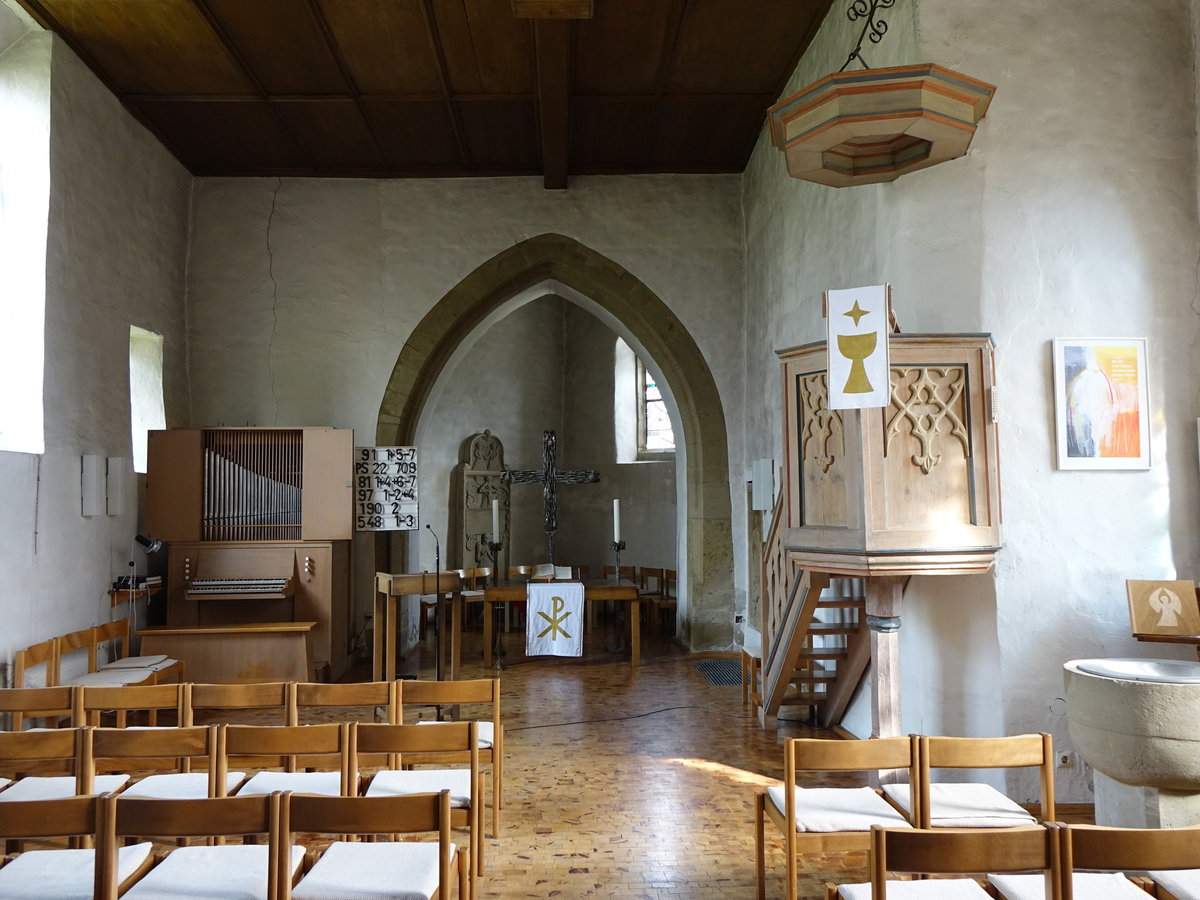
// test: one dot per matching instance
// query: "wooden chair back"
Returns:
(45, 705)
(1012, 751)
(138, 749)
(626, 572)
(221, 702)
(217, 818)
(964, 851)
(40, 819)
(355, 816)
(519, 572)
(670, 583)
(650, 581)
(293, 748)
(43, 653)
(360, 701)
(91, 701)
(1100, 847)
(400, 742)
(50, 752)
(806, 755)
(581, 573)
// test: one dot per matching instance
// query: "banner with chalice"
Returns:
(858, 327)
(554, 619)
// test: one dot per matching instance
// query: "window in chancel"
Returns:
(146, 412)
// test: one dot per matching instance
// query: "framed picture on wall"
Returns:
(1101, 402)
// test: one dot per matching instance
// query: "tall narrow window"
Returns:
(654, 423)
(146, 411)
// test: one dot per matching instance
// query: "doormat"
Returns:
(725, 672)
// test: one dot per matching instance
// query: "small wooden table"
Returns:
(624, 590)
(259, 651)
(388, 588)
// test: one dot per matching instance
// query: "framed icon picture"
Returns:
(1102, 407)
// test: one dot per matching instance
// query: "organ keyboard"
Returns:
(278, 588)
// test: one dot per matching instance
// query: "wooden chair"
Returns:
(751, 659)
(626, 572)
(401, 742)
(92, 701)
(650, 590)
(359, 701)
(43, 766)
(581, 573)
(219, 702)
(669, 601)
(379, 870)
(304, 752)
(43, 653)
(123, 669)
(955, 851)
(45, 706)
(975, 805)
(162, 667)
(1169, 856)
(820, 820)
(491, 730)
(61, 873)
(199, 872)
(174, 749)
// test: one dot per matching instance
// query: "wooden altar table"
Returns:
(623, 590)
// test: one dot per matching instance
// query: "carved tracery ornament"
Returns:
(821, 424)
(933, 408)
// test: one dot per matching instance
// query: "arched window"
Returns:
(146, 411)
(642, 423)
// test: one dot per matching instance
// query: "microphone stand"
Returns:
(497, 644)
(619, 647)
(437, 610)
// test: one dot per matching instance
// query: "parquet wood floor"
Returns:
(634, 783)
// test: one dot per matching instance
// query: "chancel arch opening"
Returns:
(540, 302)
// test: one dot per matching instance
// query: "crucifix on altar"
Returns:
(550, 476)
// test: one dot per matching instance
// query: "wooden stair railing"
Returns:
(801, 666)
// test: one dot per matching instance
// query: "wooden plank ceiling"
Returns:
(443, 88)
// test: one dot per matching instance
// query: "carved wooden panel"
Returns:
(822, 453)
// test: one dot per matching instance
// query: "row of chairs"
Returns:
(281, 702)
(822, 819)
(332, 759)
(280, 869)
(1050, 861)
(85, 643)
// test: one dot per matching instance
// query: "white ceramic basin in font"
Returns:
(1137, 720)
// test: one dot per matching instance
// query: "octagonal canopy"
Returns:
(866, 127)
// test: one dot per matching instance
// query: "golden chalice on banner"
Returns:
(856, 348)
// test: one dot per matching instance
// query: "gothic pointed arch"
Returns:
(705, 510)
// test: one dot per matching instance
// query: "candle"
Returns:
(495, 521)
(616, 521)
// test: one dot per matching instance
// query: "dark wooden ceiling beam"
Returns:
(552, 43)
(439, 53)
(666, 66)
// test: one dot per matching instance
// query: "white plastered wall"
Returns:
(116, 251)
(1074, 214)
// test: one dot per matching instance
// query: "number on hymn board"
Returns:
(385, 488)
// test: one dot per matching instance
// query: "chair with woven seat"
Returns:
(478, 691)
(200, 872)
(65, 873)
(174, 749)
(973, 804)
(379, 869)
(402, 742)
(820, 819)
(957, 852)
(315, 759)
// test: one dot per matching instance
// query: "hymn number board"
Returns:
(385, 488)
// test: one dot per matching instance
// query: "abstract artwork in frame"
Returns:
(1102, 407)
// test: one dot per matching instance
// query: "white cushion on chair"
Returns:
(327, 783)
(135, 662)
(1182, 883)
(63, 874)
(838, 809)
(486, 731)
(4, 782)
(179, 785)
(386, 870)
(968, 805)
(228, 872)
(118, 677)
(423, 781)
(1085, 885)
(936, 888)
(55, 787)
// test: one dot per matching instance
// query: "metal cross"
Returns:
(550, 477)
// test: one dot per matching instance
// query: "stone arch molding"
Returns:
(555, 264)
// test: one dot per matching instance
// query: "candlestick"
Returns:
(616, 520)
(496, 520)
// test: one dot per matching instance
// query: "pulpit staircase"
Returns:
(815, 641)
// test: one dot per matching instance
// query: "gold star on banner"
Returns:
(554, 629)
(857, 313)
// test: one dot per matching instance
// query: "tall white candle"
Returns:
(616, 521)
(495, 521)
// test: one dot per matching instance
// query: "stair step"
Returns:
(803, 699)
(842, 603)
(823, 653)
(812, 679)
